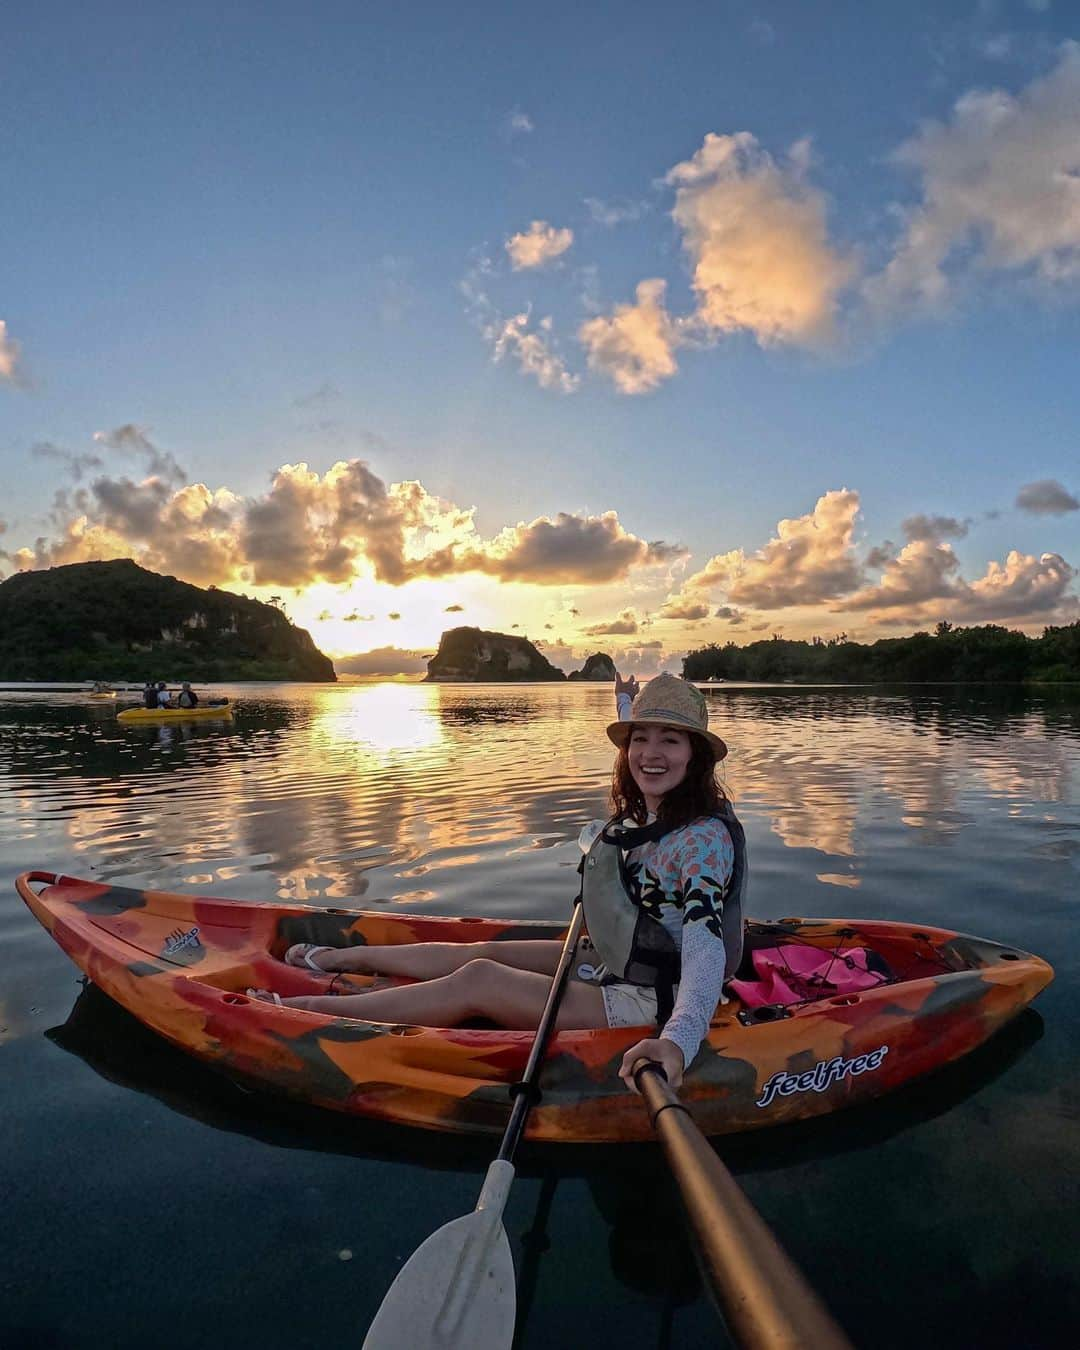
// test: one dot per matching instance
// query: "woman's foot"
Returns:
(306, 954)
(265, 996)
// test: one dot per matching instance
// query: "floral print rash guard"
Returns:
(681, 880)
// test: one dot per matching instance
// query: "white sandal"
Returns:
(265, 996)
(303, 954)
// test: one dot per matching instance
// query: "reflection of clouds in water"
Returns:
(1027, 767)
(807, 790)
(820, 762)
(923, 775)
(470, 798)
(419, 794)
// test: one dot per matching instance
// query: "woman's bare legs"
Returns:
(483, 988)
(430, 960)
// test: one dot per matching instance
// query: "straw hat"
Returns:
(669, 702)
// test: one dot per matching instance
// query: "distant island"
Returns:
(949, 654)
(469, 655)
(118, 621)
(599, 667)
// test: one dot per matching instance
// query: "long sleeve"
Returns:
(700, 986)
(705, 860)
(623, 703)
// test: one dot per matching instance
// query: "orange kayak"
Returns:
(181, 963)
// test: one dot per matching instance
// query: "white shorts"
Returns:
(629, 1005)
(625, 1005)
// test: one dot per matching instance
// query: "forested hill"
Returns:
(948, 654)
(117, 621)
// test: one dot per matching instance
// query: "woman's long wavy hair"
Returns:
(699, 794)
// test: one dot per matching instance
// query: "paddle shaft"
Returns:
(526, 1093)
(765, 1299)
(456, 1291)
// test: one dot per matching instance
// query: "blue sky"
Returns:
(593, 279)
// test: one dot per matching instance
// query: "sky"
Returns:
(623, 327)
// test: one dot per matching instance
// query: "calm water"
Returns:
(145, 1197)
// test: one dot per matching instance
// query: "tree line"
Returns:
(989, 652)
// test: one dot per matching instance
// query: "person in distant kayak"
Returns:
(187, 697)
(164, 698)
(150, 695)
(662, 889)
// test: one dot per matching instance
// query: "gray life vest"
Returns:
(633, 945)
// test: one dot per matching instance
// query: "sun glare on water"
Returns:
(384, 720)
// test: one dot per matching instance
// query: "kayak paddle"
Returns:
(766, 1301)
(457, 1289)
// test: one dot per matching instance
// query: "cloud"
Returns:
(332, 527)
(923, 570)
(924, 583)
(810, 560)
(1021, 586)
(728, 612)
(880, 555)
(609, 214)
(625, 624)
(756, 237)
(1046, 498)
(518, 123)
(680, 608)
(998, 192)
(934, 528)
(130, 439)
(636, 345)
(9, 355)
(566, 549)
(537, 246)
(532, 351)
(357, 617)
(454, 609)
(76, 464)
(311, 528)
(383, 661)
(318, 398)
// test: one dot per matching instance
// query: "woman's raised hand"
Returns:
(659, 1051)
(628, 686)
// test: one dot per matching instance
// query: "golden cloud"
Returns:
(636, 345)
(757, 239)
(810, 560)
(998, 191)
(310, 527)
(537, 246)
(624, 625)
(9, 354)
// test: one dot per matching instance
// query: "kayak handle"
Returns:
(24, 883)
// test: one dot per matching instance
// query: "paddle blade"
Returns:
(456, 1292)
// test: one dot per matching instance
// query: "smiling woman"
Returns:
(662, 887)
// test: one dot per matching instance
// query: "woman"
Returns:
(677, 891)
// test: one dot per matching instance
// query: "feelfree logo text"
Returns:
(822, 1075)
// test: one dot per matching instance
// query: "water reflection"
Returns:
(462, 797)
(936, 806)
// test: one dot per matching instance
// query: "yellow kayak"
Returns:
(203, 712)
